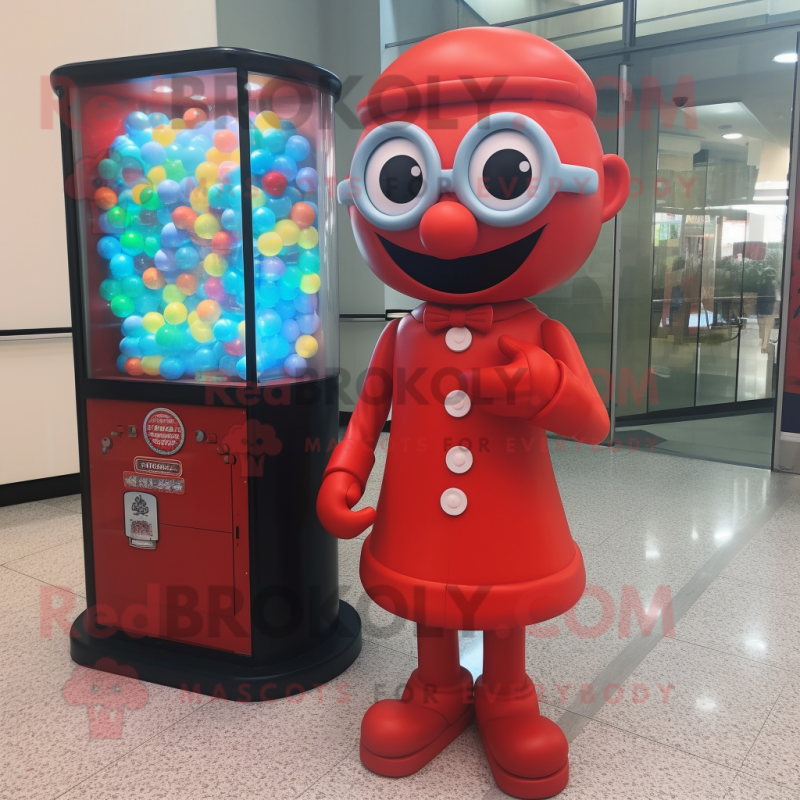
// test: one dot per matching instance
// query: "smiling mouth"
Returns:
(467, 274)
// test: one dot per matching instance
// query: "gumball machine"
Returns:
(200, 228)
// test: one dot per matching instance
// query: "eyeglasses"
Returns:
(506, 171)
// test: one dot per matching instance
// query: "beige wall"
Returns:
(37, 407)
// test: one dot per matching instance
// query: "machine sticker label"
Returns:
(163, 431)
(141, 519)
(133, 480)
(158, 466)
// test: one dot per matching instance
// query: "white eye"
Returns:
(395, 176)
(505, 170)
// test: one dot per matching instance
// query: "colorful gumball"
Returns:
(175, 313)
(288, 231)
(151, 364)
(194, 116)
(214, 264)
(274, 182)
(308, 238)
(184, 218)
(302, 214)
(206, 225)
(269, 244)
(310, 284)
(206, 174)
(223, 242)
(209, 311)
(267, 119)
(152, 321)
(133, 366)
(307, 180)
(226, 140)
(105, 198)
(201, 331)
(154, 278)
(297, 148)
(108, 247)
(306, 346)
(187, 283)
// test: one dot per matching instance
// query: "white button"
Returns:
(458, 339)
(454, 502)
(458, 459)
(457, 403)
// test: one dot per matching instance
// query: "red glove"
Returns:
(342, 486)
(520, 389)
(339, 492)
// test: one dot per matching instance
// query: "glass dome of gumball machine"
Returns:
(200, 228)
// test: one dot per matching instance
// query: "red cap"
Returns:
(478, 64)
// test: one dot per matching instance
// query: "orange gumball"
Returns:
(223, 242)
(133, 366)
(187, 283)
(302, 214)
(105, 198)
(193, 116)
(209, 311)
(153, 278)
(225, 141)
(184, 218)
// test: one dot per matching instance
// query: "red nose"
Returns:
(448, 230)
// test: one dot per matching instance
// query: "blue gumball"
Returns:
(148, 345)
(260, 162)
(189, 358)
(226, 330)
(274, 141)
(232, 281)
(286, 166)
(108, 247)
(294, 195)
(241, 368)
(206, 359)
(141, 138)
(183, 137)
(105, 225)
(287, 292)
(169, 192)
(218, 196)
(132, 325)
(297, 147)
(268, 294)
(290, 330)
(308, 323)
(129, 346)
(153, 153)
(268, 323)
(164, 215)
(307, 180)
(121, 362)
(172, 368)
(193, 156)
(172, 236)
(285, 308)
(295, 366)
(157, 118)
(133, 286)
(263, 220)
(165, 260)
(280, 206)
(228, 365)
(305, 303)
(278, 347)
(187, 257)
(231, 220)
(219, 350)
(288, 129)
(202, 141)
(121, 265)
(136, 121)
(148, 302)
(187, 185)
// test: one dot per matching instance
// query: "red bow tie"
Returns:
(437, 318)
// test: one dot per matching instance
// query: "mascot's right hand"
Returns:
(339, 492)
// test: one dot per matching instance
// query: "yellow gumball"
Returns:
(199, 199)
(136, 192)
(270, 244)
(164, 134)
(306, 346)
(206, 225)
(236, 155)
(206, 174)
(156, 175)
(241, 330)
(175, 313)
(172, 294)
(215, 156)
(215, 264)
(201, 332)
(288, 231)
(151, 364)
(177, 124)
(308, 238)
(257, 197)
(192, 318)
(268, 119)
(152, 321)
(309, 284)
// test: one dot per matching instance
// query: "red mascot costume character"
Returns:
(479, 181)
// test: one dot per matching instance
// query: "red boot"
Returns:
(399, 737)
(527, 752)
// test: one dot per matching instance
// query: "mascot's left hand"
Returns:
(522, 388)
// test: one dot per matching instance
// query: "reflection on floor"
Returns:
(706, 712)
(739, 439)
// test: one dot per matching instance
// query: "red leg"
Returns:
(399, 737)
(528, 753)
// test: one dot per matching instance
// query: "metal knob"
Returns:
(223, 449)
(106, 443)
(200, 436)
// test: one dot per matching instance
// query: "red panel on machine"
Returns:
(169, 517)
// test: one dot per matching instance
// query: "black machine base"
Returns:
(155, 662)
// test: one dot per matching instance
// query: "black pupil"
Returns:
(401, 179)
(507, 174)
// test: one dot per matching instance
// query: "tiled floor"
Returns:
(709, 712)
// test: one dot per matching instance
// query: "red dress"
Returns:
(470, 531)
